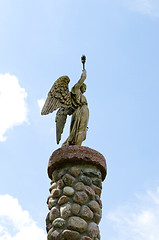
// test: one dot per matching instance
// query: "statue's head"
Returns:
(83, 87)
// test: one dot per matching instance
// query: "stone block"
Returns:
(90, 192)
(69, 191)
(86, 213)
(80, 197)
(75, 171)
(63, 200)
(93, 230)
(97, 190)
(56, 193)
(65, 211)
(86, 238)
(94, 206)
(79, 186)
(75, 208)
(58, 223)
(97, 182)
(55, 235)
(68, 179)
(77, 223)
(70, 235)
(54, 213)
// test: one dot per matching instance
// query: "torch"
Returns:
(83, 60)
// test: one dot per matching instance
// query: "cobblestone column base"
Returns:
(76, 175)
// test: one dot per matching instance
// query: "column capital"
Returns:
(77, 155)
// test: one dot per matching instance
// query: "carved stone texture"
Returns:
(74, 204)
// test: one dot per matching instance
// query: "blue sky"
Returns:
(43, 40)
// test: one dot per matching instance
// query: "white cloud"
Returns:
(12, 104)
(16, 223)
(138, 221)
(41, 103)
(148, 7)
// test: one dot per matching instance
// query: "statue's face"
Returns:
(83, 88)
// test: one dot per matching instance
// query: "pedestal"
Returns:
(76, 174)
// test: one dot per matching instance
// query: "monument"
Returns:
(76, 172)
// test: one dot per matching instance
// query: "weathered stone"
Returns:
(92, 172)
(60, 184)
(74, 154)
(69, 191)
(85, 180)
(63, 200)
(97, 182)
(48, 199)
(65, 211)
(97, 218)
(75, 171)
(48, 223)
(68, 179)
(48, 227)
(55, 175)
(75, 208)
(56, 193)
(70, 235)
(53, 186)
(86, 238)
(58, 223)
(97, 198)
(54, 213)
(90, 192)
(49, 237)
(100, 204)
(58, 174)
(78, 224)
(93, 230)
(79, 186)
(55, 235)
(80, 197)
(81, 202)
(51, 203)
(97, 190)
(86, 213)
(94, 206)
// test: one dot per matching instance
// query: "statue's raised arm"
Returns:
(77, 86)
(69, 103)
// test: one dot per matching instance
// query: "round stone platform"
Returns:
(78, 155)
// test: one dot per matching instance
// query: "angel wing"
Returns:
(60, 120)
(58, 96)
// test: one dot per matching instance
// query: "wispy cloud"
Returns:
(16, 223)
(148, 7)
(138, 221)
(13, 109)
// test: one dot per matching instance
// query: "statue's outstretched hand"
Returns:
(84, 74)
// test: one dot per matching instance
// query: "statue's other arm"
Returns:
(77, 86)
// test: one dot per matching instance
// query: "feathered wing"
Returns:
(61, 117)
(58, 96)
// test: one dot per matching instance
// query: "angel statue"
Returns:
(69, 103)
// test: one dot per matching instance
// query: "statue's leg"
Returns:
(81, 135)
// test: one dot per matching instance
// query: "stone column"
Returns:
(76, 175)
